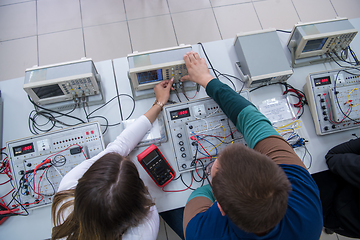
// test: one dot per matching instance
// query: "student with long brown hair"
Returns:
(104, 197)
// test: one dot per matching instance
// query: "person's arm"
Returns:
(344, 160)
(254, 126)
(126, 141)
(249, 121)
(199, 201)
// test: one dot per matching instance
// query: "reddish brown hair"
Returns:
(251, 188)
(109, 198)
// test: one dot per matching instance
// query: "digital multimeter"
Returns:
(156, 165)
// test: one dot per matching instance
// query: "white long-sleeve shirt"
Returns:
(148, 229)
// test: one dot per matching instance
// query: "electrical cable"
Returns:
(335, 92)
(207, 58)
(187, 187)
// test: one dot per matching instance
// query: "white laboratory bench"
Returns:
(223, 57)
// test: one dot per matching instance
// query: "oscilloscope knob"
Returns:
(326, 118)
(326, 128)
(333, 126)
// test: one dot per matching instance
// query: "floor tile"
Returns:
(347, 8)
(162, 232)
(152, 33)
(196, 26)
(145, 8)
(310, 14)
(216, 3)
(61, 47)
(170, 233)
(96, 12)
(107, 41)
(17, 21)
(278, 14)
(16, 56)
(6, 2)
(334, 236)
(236, 18)
(58, 15)
(187, 5)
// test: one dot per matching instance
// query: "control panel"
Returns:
(199, 129)
(146, 69)
(38, 163)
(334, 99)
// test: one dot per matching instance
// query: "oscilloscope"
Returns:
(62, 82)
(318, 38)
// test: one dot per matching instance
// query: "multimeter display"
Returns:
(156, 166)
(151, 157)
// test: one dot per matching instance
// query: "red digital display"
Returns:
(322, 81)
(183, 112)
(23, 149)
(27, 148)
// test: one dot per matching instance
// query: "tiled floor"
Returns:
(50, 31)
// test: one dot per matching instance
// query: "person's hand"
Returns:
(162, 90)
(198, 71)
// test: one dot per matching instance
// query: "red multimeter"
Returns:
(156, 165)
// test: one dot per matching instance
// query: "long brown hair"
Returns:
(251, 188)
(109, 198)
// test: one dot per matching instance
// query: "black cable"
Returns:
(107, 122)
(207, 58)
(47, 178)
(183, 91)
(284, 31)
(177, 94)
(335, 92)
(300, 94)
(182, 180)
(310, 161)
(227, 77)
(53, 111)
(354, 55)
